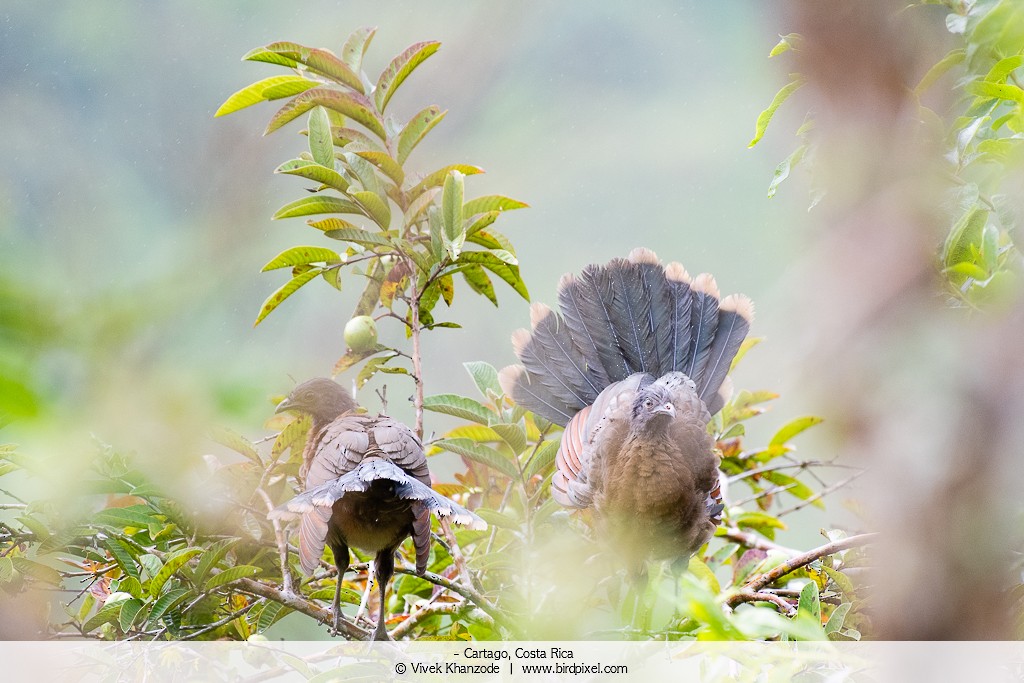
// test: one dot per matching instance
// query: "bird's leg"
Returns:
(640, 582)
(341, 562)
(385, 567)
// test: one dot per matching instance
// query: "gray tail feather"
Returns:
(631, 315)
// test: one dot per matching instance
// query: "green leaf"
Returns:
(485, 455)
(492, 202)
(255, 93)
(386, 164)
(277, 92)
(271, 612)
(785, 44)
(794, 427)
(1003, 68)
(951, 59)
(6, 570)
(355, 47)
(301, 256)
(479, 282)
(838, 616)
(810, 601)
(315, 172)
(1002, 91)
(499, 519)
(459, 406)
(704, 575)
(482, 222)
(374, 207)
(793, 486)
(131, 585)
(451, 206)
(416, 129)
(512, 434)
(485, 376)
(508, 273)
(327, 64)
(766, 116)
(37, 570)
(124, 556)
(343, 137)
(841, 580)
(236, 442)
(761, 522)
(171, 565)
(967, 231)
(37, 528)
(289, 288)
(399, 69)
(321, 145)
(138, 516)
(211, 557)
(262, 54)
(166, 602)
(356, 235)
(783, 170)
(437, 178)
(316, 204)
(241, 571)
(129, 610)
(108, 614)
(748, 343)
(350, 104)
(541, 460)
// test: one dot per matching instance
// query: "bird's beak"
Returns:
(667, 409)
(284, 405)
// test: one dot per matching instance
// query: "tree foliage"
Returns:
(981, 133)
(129, 560)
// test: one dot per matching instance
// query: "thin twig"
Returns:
(282, 545)
(222, 622)
(803, 465)
(13, 506)
(419, 615)
(465, 591)
(759, 581)
(822, 493)
(744, 595)
(752, 540)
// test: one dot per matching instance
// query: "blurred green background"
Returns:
(133, 224)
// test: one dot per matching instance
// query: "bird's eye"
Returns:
(648, 403)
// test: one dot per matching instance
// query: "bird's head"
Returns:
(321, 398)
(653, 407)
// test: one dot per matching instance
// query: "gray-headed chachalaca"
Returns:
(634, 369)
(367, 486)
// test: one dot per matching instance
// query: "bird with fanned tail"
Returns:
(366, 485)
(633, 367)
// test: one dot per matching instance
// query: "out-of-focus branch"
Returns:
(752, 540)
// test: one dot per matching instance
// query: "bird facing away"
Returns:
(634, 369)
(366, 486)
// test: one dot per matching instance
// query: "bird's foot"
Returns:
(381, 632)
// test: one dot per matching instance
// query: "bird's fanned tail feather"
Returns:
(630, 315)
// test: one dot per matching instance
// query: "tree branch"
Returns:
(466, 592)
(744, 595)
(761, 580)
(752, 540)
(299, 604)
